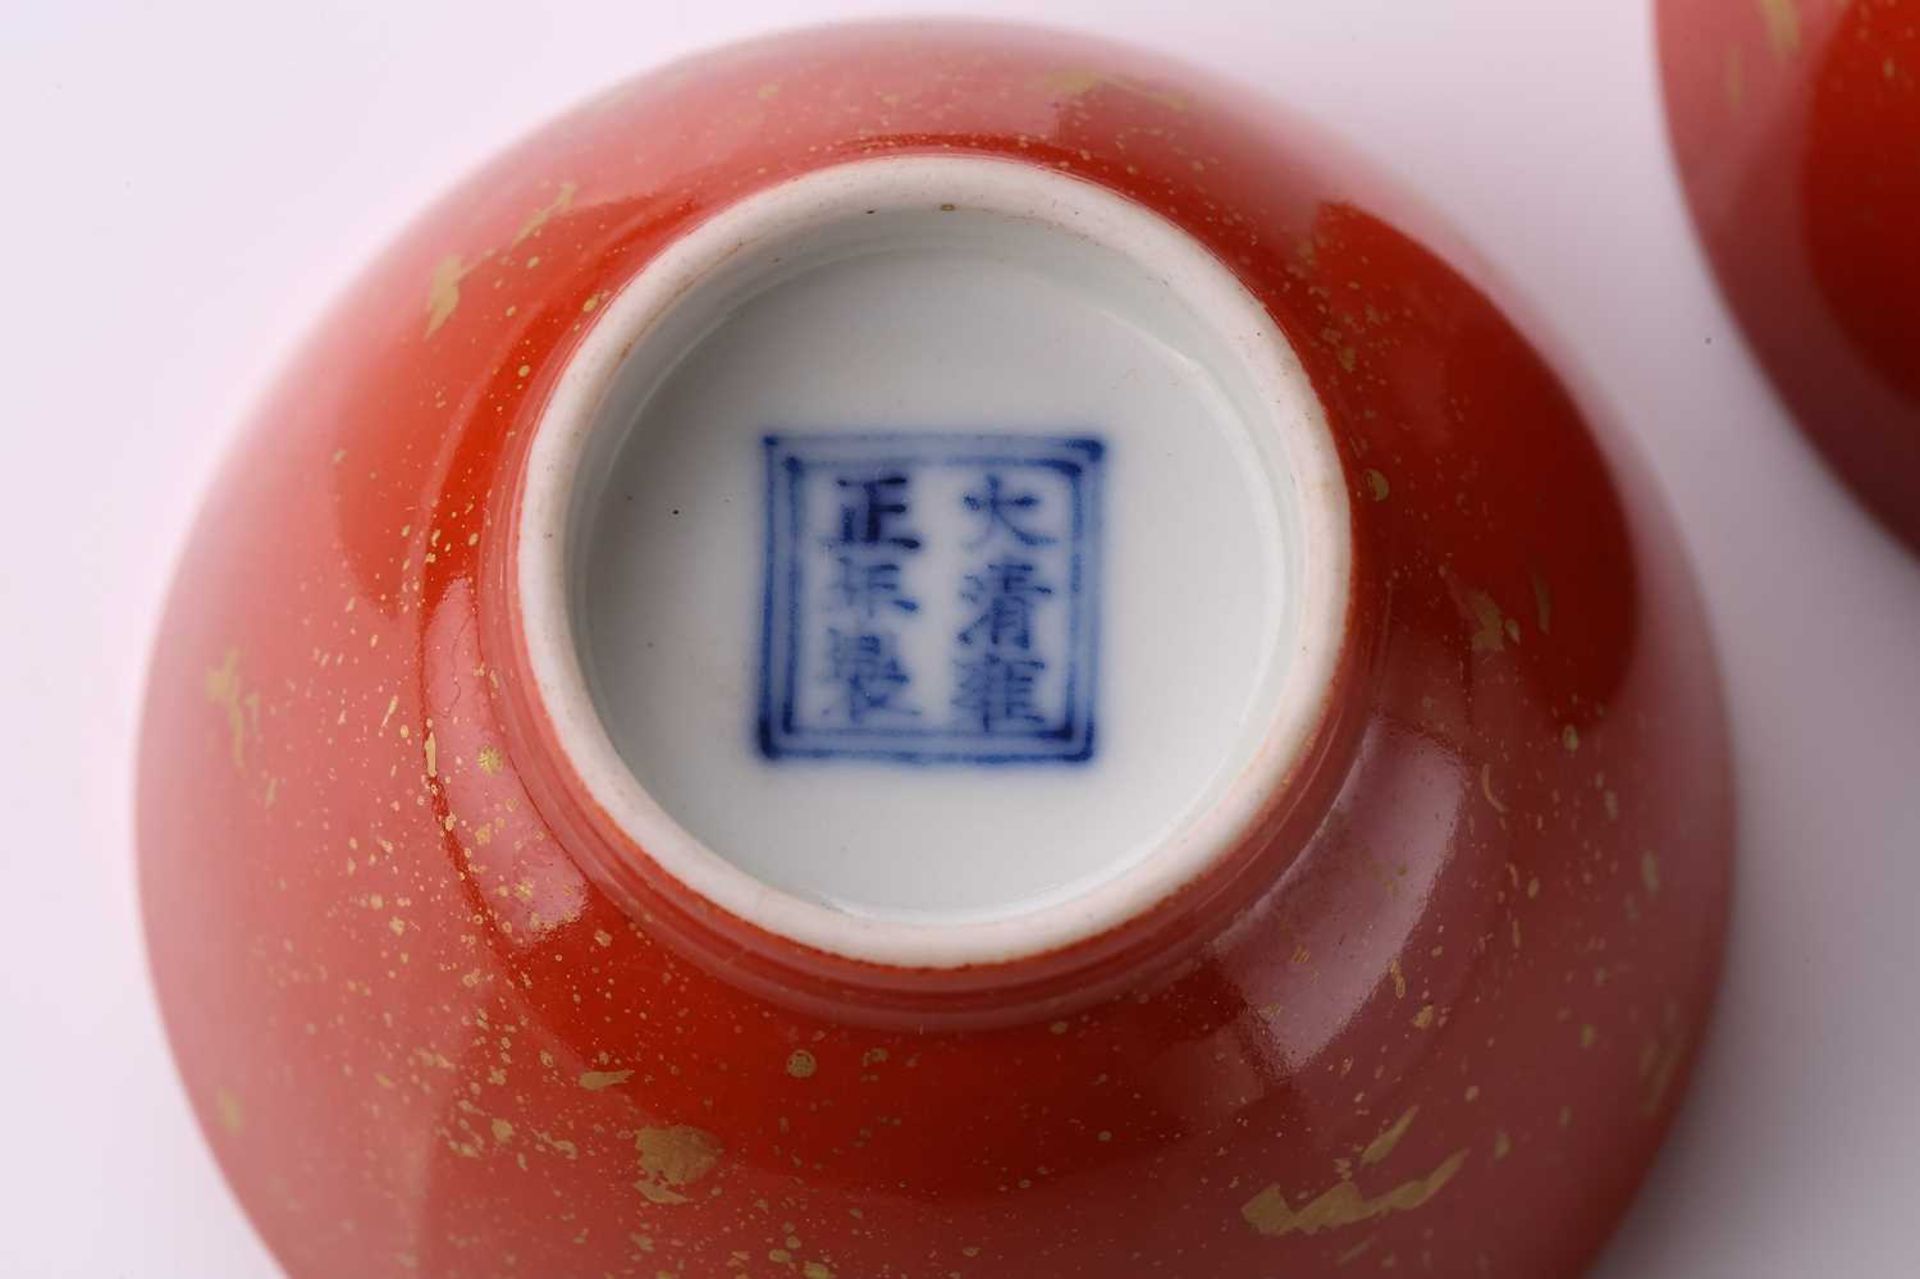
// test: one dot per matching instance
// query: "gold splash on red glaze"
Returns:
(1344, 1204)
(1489, 625)
(1380, 1147)
(443, 291)
(1486, 788)
(1783, 26)
(540, 215)
(225, 690)
(1076, 83)
(232, 1118)
(672, 1159)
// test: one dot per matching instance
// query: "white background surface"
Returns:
(187, 184)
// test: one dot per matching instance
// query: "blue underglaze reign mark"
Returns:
(931, 598)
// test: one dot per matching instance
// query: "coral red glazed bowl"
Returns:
(1796, 124)
(930, 650)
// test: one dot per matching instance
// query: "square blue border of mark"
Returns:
(1079, 457)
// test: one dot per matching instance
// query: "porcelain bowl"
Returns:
(1795, 124)
(931, 650)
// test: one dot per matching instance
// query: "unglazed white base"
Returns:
(925, 317)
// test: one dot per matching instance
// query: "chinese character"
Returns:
(871, 510)
(1002, 508)
(870, 586)
(866, 667)
(997, 691)
(930, 597)
(1004, 596)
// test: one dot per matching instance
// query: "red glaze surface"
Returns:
(1796, 124)
(1440, 1023)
